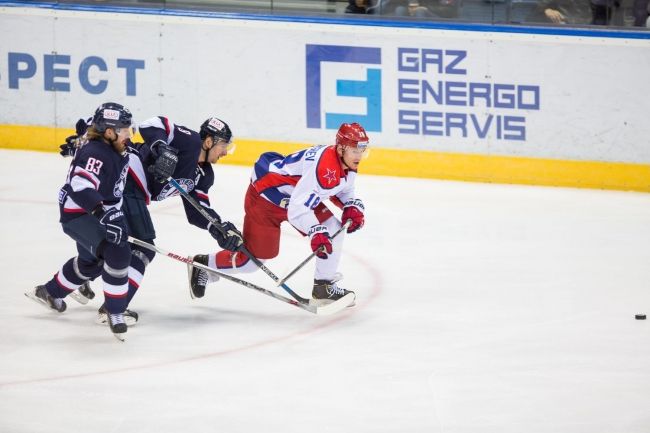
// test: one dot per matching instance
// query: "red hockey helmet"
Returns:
(352, 134)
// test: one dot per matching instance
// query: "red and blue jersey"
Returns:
(301, 181)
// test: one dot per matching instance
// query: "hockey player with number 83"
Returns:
(91, 214)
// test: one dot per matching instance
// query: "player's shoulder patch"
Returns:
(329, 169)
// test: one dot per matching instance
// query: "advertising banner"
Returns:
(565, 97)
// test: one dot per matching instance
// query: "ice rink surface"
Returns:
(480, 308)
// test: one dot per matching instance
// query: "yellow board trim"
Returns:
(409, 163)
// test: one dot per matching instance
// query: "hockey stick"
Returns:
(332, 308)
(243, 249)
(311, 256)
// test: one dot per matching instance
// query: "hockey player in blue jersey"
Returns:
(91, 214)
(169, 150)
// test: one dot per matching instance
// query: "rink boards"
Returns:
(477, 103)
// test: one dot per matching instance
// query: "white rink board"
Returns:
(586, 96)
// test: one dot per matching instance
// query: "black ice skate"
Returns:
(117, 325)
(40, 295)
(198, 278)
(83, 294)
(325, 292)
(130, 317)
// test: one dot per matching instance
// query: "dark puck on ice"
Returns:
(639, 316)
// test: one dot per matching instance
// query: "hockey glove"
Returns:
(82, 126)
(69, 148)
(115, 225)
(353, 210)
(72, 143)
(227, 235)
(166, 158)
(320, 237)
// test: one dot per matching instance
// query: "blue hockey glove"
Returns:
(227, 235)
(69, 148)
(82, 126)
(166, 158)
(114, 223)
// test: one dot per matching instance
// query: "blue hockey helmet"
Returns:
(216, 128)
(111, 115)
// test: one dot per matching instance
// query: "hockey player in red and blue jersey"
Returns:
(293, 189)
(169, 150)
(91, 214)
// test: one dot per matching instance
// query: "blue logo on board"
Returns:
(368, 89)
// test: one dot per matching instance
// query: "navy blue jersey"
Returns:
(203, 181)
(96, 176)
(193, 177)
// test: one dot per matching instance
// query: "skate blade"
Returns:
(349, 300)
(77, 296)
(320, 302)
(120, 337)
(39, 301)
(325, 307)
(102, 319)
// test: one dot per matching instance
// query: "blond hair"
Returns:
(93, 134)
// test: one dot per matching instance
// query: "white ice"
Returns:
(480, 308)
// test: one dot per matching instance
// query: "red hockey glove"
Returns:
(353, 210)
(320, 238)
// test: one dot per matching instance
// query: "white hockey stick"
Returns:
(311, 256)
(324, 310)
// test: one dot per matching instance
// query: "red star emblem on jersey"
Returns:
(330, 176)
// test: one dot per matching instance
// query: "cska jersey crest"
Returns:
(329, 169)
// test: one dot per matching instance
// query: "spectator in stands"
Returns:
(359, 7)
(640, 9)
(413, 8)
(602, 11)
(561, 12)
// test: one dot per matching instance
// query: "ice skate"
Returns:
(40, 295)
(117, 325)
(199, 278)
(130, 317)
(325, 292)
(83, 294)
